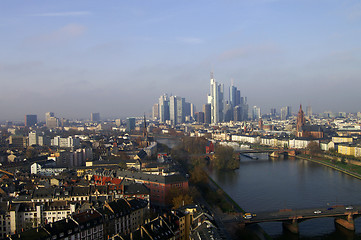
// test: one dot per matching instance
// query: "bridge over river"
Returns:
(344, 216)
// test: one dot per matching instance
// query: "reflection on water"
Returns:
(271, 184)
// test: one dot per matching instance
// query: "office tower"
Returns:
(31, 120)
(164, 108)
(238, 98)
(256, 113)
(237, 113)
(199, 116)
(228, 112)
(308, 111)
(215, 99)
(52, 122)
(33, 138)
(155, 111)
(173, 109)
(187, 109)
(273, 112)
(285, 112)
(207, 113)
(193, 110)
(95, 117)
(180, 110)
(130, 123)
(177, 106)
(44, 141)
(47, 116)
(234, 96)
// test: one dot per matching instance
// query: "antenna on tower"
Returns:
(212, 75)
(232, 82)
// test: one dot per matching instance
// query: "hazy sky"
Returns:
(118, 57)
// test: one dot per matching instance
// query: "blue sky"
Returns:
(118, 57)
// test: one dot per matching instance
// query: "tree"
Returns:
(178, 197)
(225, 158)
(314, 148)
(31, 152)
(198, 175)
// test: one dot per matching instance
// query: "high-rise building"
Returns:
(215, 99)
(52, 122)
(47, 116)
(228, 112)
(207, 113)
(199, 116)
(308, 111)
(234, 96)
(164, 108)
(130, 123)
(33, 138)
(273, 112)
(31, 120)
(256, 113)
(180, 110)
(177, 107)
(285, 112)
(95, 117)
(155, 111)
(193, 110)
(173, 109)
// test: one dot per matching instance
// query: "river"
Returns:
(271, 184)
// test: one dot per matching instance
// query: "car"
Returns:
(247, 216)
(349, 208)
(317, 212)
(330, 208)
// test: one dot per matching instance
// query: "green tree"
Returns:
(225, 158)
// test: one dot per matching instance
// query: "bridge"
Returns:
(344, 216)
(271, 152)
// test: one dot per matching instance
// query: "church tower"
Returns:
(300, 119)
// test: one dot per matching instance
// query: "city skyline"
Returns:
(75, 58)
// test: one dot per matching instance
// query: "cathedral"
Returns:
(306, 130)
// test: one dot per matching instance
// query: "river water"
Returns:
(271, 184)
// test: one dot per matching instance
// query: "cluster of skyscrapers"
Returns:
(173, 109)
(176, 110)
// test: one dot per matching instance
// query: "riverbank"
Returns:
(230, 218)
(347, 168)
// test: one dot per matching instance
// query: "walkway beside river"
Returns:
(331, 165)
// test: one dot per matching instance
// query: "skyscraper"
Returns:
(285, 112)
(155, 111)
(215, 99)
(256, 112)
(95, 117)
(31, 120)
(207, 113)
(164, 108)
(309, 111)
(51, 120)
(130, 123)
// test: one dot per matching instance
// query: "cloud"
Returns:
(62, 34)
(62, 14)
(191, 40)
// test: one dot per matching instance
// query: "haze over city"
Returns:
(117, 58)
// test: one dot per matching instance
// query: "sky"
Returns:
(117, 57)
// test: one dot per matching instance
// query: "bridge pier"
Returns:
(291, 226)
(347, 223)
